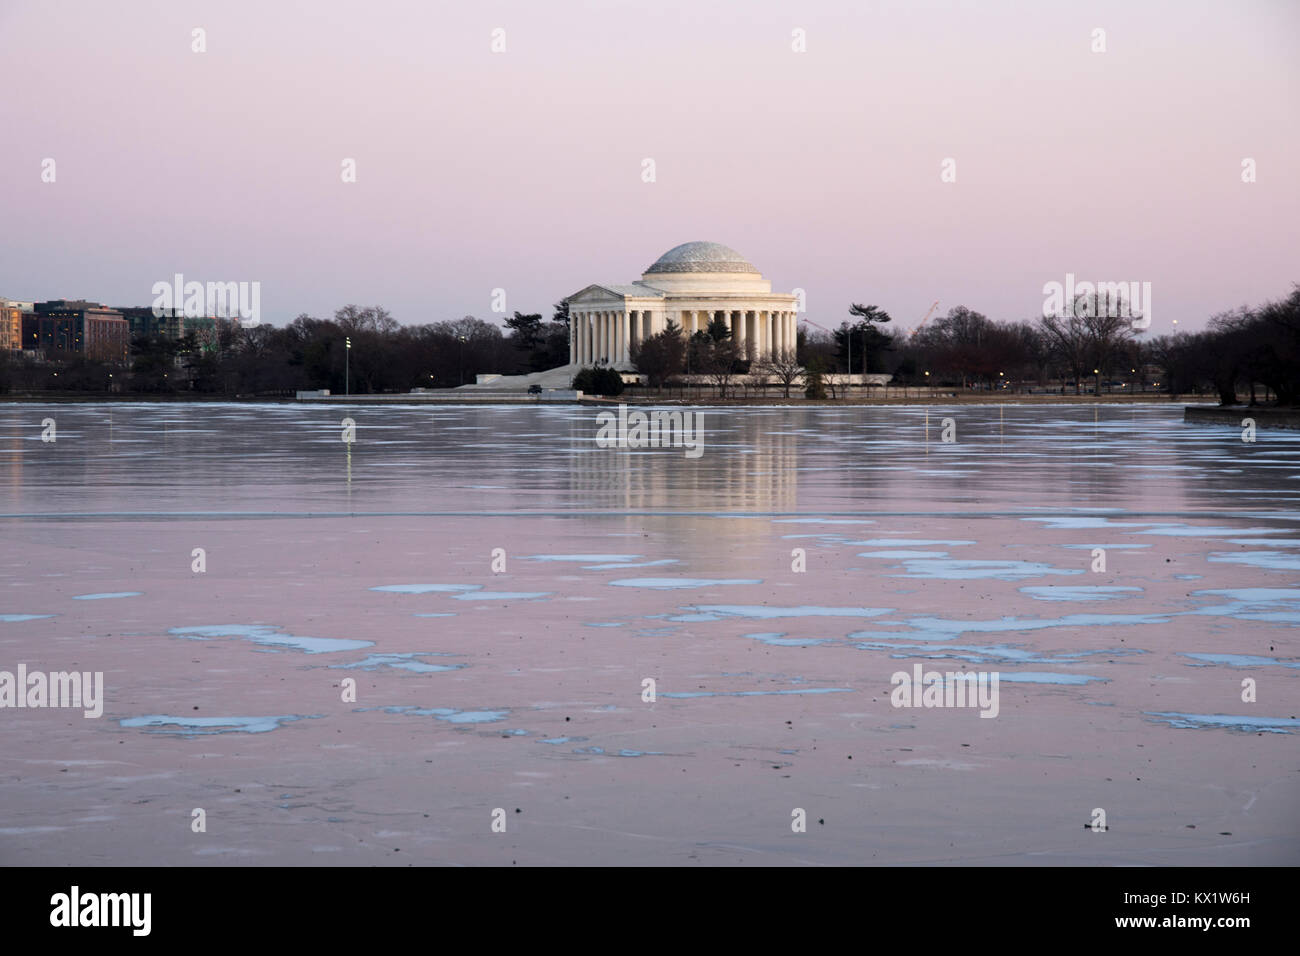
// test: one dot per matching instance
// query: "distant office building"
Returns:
(11, 325)
(169, 324)
(72, 327)
(175, 325)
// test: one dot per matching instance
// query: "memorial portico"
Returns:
(689, 285)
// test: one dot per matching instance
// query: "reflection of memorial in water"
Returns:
(744, 468)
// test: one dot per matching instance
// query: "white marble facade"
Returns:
(689, 284)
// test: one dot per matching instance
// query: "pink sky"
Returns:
(522, 170)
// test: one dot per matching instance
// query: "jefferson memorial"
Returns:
(689, 285)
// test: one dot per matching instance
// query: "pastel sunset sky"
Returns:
(522, 169)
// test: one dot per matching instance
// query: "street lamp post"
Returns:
(462, 358)
(347, 365)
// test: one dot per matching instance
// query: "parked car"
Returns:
(534, 389)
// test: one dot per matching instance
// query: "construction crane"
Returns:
(922, 322)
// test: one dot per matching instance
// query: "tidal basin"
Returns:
(357, 652)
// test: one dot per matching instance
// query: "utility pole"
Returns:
(848, 336)
(347, 365)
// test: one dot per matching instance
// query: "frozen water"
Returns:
(667, 584)
(1095, 592)
(1271, 725)
(200, 726)
(972, 554)
(271, 637)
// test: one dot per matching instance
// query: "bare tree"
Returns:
(353, 319)
(782, 366)
(1095, 331)
(758, 378)
(1067, 337)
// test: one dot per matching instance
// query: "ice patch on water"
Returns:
(106, 596)
(200, 726)
(582, 558)
(1108, 547)
(822, 521)
(1043, 677)
(1265, 596)
(600, 751)
(990, 653)
(406, 662)
(1270, 725)
(899, 555)
(501, 595)
(1272, 560)
(1249, 604)
(1191, 531)
(426, 588)
(1188, 577)
(958, 570)
(763, 612)
(449, 714)
(759, 693)
(270, 637)
(434, 614)
(1237, 660)
(564, 740)
(19, 618)
(1079, 523)
(942, 629)
(1082, 592)
(905, 542)
(664, 584)
(780, 640)
(634, 564)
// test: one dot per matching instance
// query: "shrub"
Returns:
(600, 380)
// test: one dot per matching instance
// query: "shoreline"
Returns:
(511, 398)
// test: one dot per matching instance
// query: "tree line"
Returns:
(311, 353)
(1093, 345)
(1250, 352)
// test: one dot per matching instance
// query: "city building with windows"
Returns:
(11, 324)
(69, 327)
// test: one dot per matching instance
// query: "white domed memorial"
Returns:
(690, 284)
